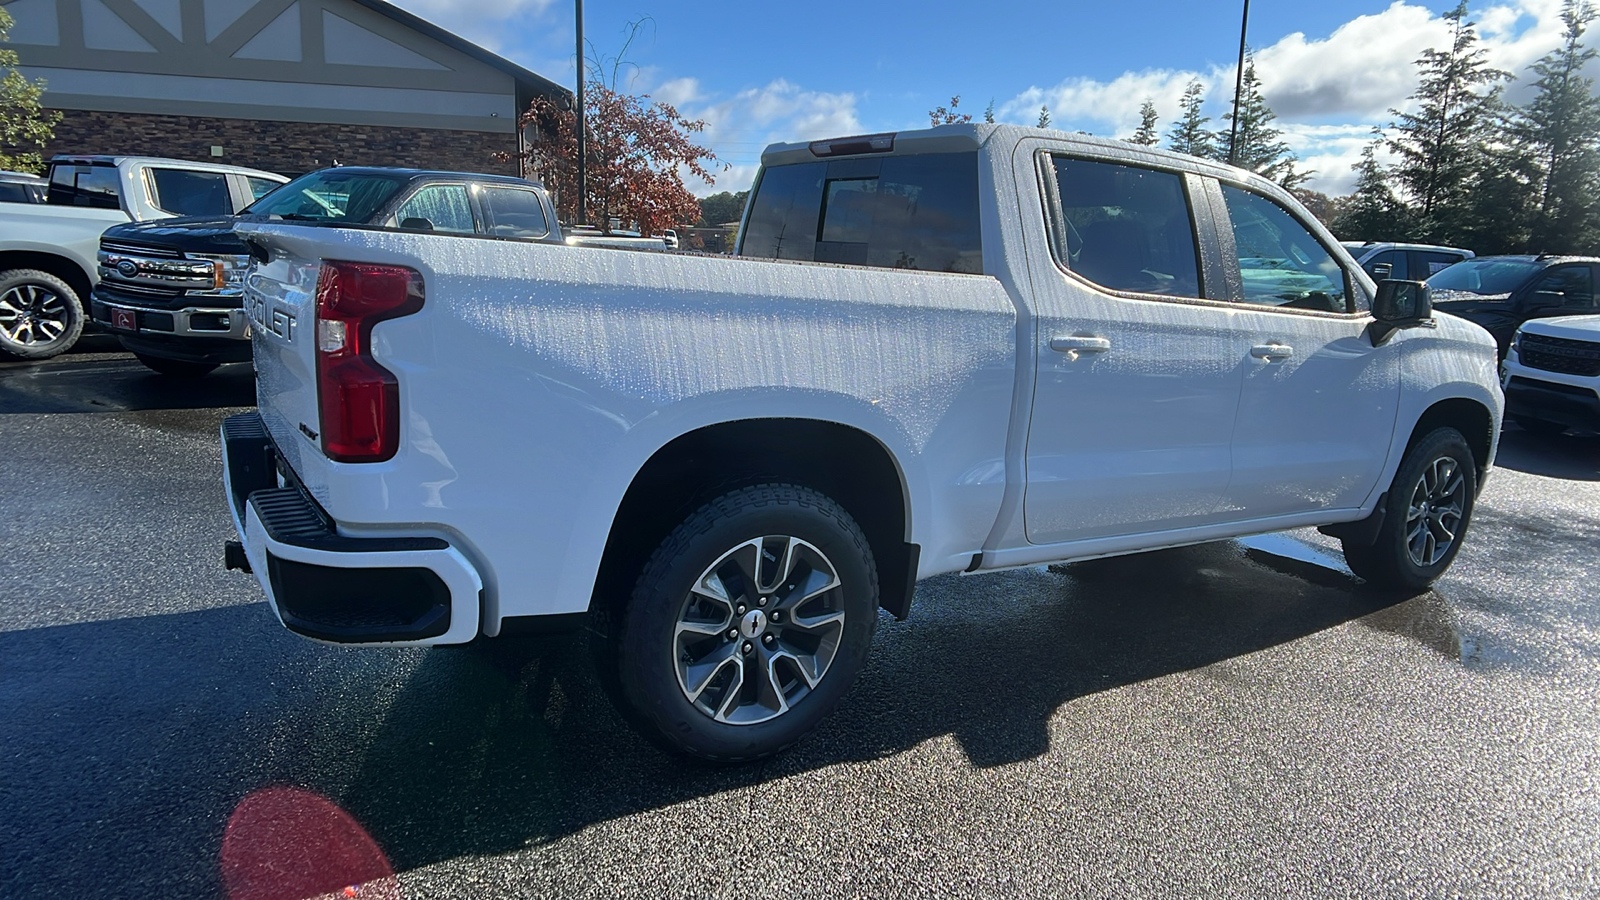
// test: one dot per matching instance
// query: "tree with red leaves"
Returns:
(635, 154)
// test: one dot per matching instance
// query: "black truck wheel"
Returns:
(748, 624)
(1426, 514)
(40, 315)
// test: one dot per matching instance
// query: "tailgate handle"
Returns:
(1077, 344)
(1270, 352)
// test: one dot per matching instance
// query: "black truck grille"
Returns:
(1562, 355)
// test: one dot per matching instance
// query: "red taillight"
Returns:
(359, 399)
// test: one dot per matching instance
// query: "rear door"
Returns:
(1318, 403)
(1137, 385)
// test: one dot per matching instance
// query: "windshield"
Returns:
(330, 195)
(1484, 276)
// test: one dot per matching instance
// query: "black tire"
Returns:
(40, 315)
(1539, 426)
(660, 651)
(176, 368)
(1403, 557)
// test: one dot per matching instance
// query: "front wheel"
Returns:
(748, 623)
(1426, 514)
(40, 315)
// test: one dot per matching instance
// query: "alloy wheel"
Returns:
(759, 629)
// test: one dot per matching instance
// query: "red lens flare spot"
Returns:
(286, 843)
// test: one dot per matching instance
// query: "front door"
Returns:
(1137, 387)
(1317, 409)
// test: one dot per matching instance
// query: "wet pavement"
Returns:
(1234, 719)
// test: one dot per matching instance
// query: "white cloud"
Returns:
(1329, 93)
(738, 128)
(482, 22)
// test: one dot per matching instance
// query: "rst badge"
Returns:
(267, 318)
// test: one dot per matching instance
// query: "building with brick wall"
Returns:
(283, 85)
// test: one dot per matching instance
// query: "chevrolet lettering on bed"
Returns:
(962, 349)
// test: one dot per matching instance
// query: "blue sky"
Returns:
(758, 73)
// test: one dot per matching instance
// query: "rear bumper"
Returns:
(333, 587)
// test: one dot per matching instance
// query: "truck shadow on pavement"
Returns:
(130, 741)
(1573, 456)
(485, 752)
(116, 382)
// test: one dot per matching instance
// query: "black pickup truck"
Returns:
(173, 290)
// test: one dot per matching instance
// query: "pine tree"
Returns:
(1442, 144)
(988, 112)
(1147, 135)
(1373, 213)
(1255, 144)
(1044, 117)
(1189, 134)
(23, 122)
(1560, 130)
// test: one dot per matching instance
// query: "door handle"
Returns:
(1270, 352)
(1077, 344)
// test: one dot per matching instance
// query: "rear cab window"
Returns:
(95, 185)
(918, 211)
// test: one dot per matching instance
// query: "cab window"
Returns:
(186, 193)
(1126, 228)
(1281, 262)
(1574, 285)
(513, 212)
(437, 207)
(903, 212)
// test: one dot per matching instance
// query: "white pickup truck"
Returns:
(48, 250)
(961, 349)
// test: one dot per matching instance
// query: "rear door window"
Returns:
(513, 212)
(1427, 263)
(901, 212)
(85, 185)
(437, 207)
(184, 193)
(1388, 264)
(1127, 228)
(260, 187)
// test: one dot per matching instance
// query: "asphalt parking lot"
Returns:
(1229, 720)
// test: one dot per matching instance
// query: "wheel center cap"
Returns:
(753, 623)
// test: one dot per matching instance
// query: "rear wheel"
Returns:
(1538, 426)
(40, 315)
(1427, 511)
(176, 368)
(748, 623)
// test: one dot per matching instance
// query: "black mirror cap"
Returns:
(1402, 303)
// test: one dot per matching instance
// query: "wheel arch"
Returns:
(1466, 415)
(64, 268)
(854, 468)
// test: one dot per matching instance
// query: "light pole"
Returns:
(583, 179)
(1238, 86)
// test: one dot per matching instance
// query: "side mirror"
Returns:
(416, 223)
(1399, 304)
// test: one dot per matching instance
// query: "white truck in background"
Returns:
(962, 349)
(48, 250)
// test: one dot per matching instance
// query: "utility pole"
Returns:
(583, 175)
(1238, 87)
